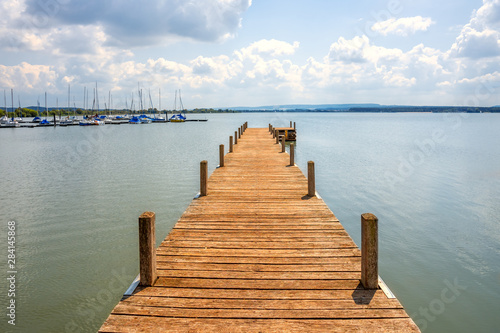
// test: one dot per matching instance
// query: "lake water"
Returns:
(75, 193)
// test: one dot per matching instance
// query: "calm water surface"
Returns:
(75, 194)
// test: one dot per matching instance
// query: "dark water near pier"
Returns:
(75, 194)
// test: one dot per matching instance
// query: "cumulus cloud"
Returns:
(271, 47)
(480, 38)
(130, 23)
(402, 26)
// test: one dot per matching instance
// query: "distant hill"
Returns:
(306, 107)
(368, 107)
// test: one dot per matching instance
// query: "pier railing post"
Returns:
(311, 185)
(239, 133)
(221, 156)
(147, 249)
(369, 251)
(203, 178)
(290, 123)
(273, 132)
(230, 144)
(294, 125)
(292, 154)
(235, 137)
(282, 143)
(277, 135)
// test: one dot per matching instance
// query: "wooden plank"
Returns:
(131, 323)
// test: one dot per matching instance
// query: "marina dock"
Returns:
(257, 250)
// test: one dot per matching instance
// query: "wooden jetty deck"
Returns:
(256, 254)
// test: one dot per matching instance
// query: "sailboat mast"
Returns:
(180, 101)
(12, 100)
(46, 110)
(69, 101)
(19, 102)
(97, 97)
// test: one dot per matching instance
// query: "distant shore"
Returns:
(350, 108)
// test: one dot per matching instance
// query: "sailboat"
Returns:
(69, 121)
(45, 122)
(178, 118)
(5, 121)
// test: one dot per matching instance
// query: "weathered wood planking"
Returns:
(258, 255)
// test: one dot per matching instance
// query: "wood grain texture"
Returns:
(257, 254)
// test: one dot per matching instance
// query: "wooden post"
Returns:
(235, 137)
(147, 249)
(369, 251)
(203, 178)
(290, 123)
(54, 120)
(269, 127)
(221, 156)
(274, 132)
(282, 143)
(311, 185)
(294, 125)
(277, 135)
(239, 133)
(292, 154)
(230, 144)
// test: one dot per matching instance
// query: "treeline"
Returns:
(23, 112)
(210, 111)
(434, 109)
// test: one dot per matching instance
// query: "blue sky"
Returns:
(225, 53)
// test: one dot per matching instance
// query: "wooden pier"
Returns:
(256, 253)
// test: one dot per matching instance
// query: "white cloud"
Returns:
(32, 78)
(402, 26)
(129, 23)
(269, 47)
(480, 38)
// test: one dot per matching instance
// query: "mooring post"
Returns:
(230, 144)
(54, 120)
(277, 135)
(269, 128)
(147, 249)
(221, 156)
(239, 133)
(294, 125)
(292, 154)
(282, 143)
(369, 251)
(273, 132)
(311, 186)
(235, 137)
(203, 178)
(290, 123)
